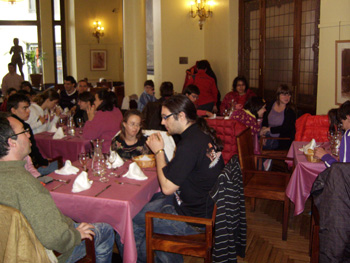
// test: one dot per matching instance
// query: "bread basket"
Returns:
(145, 161)
(310, 156)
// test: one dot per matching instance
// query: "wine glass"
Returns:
(61, 121)
(80, 125)
(83, 158)
(111, 158)
(103, 178)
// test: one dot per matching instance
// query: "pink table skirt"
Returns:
(69, 147)
(115, 206)
(303, 177)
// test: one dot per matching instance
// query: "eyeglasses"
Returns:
(286, 93)
(16, 134)
(168, 116)
(138, 125)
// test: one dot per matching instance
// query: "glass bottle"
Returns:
(98, 164)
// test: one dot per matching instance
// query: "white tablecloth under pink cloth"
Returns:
(303, 177)
(69, 147)
(116, 206)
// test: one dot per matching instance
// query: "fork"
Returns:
(67, 182)
(59, 180)
(118, 182)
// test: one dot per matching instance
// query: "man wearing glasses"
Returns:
(186, 180)
(20, 190)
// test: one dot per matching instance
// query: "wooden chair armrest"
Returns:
(266, 172)
(274, 138)
(187, 219)
(273, 157)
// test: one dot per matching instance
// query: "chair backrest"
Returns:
(310, 127)
(227, 131)
(18, 243)
(246, 150)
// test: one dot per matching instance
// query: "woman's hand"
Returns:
(264, 130)
(42, 119)
(155, 142)
(58, 110)
(215, 109)
(238, 107)
(209, 114)
(91, 111)
(319, 152)
(85, 230)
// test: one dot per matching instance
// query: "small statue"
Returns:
(16, 57)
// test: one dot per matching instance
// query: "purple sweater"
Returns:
(104, 125)
(344, 152)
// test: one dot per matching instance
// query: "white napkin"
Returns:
(169, 143)
(67, 169)
(59, 134)
(118, 161)
(81, 183)
(135, 173)
(311, 145)
(53, 129)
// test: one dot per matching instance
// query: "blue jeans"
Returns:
(163, 204)
(103, 240)
(45, 170)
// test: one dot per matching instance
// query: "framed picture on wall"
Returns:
(342, 71)
(98, 59)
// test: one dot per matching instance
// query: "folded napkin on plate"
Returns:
(81, 183)
(53, 129)
(169, 143)
(135, 172)
(67, 169)
(59, 134)
(311, 145)
(118, 161)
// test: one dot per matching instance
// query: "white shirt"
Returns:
(34, 119)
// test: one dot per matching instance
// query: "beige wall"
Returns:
(175, 35)
(81, 41)
(221, 43)
(333, 13)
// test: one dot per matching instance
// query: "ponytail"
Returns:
(204, 127)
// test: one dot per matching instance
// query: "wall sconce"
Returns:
(98, 30)
(202, 10)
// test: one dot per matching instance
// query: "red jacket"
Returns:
(207, 87)
(226, 103)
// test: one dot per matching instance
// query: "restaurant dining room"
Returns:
(101, 101)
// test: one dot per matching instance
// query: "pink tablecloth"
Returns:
(115, 206)
(69, 147)
(303, 177)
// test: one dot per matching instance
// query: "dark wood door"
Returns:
(279, 45)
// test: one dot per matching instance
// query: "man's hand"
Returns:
(264, 130)
(85, 230)
(320, 152)
(155, 142)
(91, 111)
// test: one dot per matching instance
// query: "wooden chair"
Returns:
(314, 234)
(262, 184)
(199, 245)
(280, 153)
(90, 256)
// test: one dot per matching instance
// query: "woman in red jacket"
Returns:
(239, 95)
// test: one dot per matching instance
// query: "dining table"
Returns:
(115, 202)
(68, 147)
(304, 175)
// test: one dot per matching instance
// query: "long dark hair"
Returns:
(126, 117)
(50, 94)
(235, 83)
(109, 100)
(254, 104)
(180, 103)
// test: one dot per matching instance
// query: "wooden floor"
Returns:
(264, 235)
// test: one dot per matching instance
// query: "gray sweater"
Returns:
(19, 189)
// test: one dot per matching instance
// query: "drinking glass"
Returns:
(80, 125)
(83, 158)
(61, 121)
(111, 157)
(103, 178)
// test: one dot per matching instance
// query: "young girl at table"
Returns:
(39, 118)
(344, 153)
(130, 142)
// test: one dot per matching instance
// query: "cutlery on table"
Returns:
(104, 189)
(67, 182)
(59, 180)
(118, 182)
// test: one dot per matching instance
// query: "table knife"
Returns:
(104, 189)
(57, 186)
